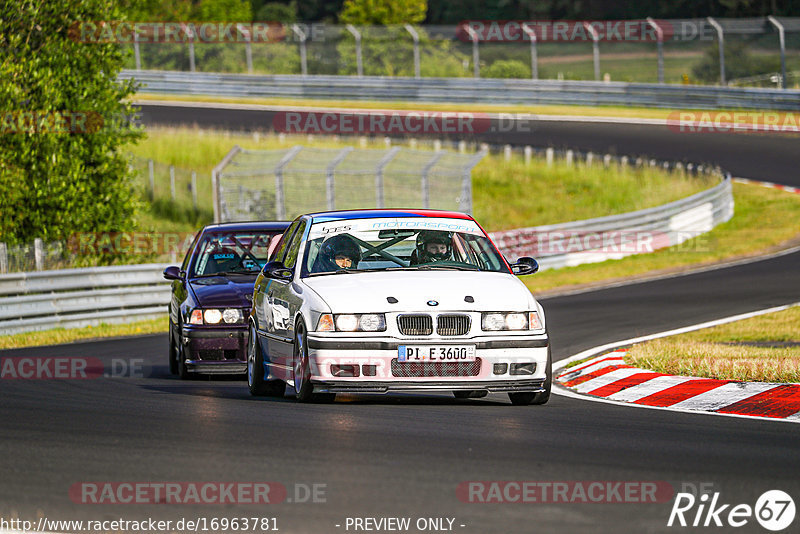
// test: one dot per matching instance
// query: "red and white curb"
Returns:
(607, 378)
(610, 377)
(771, 185)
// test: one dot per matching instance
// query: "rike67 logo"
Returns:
(774, 510)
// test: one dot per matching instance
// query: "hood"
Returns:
(367, 292)
(223, 292)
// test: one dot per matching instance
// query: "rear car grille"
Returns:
(420, 369)
(217, 355)
(415, 325)
(452, 325)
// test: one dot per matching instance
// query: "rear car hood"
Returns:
(223, 292)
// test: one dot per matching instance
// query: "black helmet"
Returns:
(338, 245)
(426, 237)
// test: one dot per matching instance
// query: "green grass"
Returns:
(764, 219)
(718, 352)
(58, 336)
(506, 194)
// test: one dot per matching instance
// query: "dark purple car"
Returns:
(211, 296)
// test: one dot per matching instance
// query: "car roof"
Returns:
(247, 226)
(389, 213)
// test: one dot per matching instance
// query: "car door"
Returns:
(282, 302)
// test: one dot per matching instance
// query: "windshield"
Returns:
(233, 252)
(366, 245)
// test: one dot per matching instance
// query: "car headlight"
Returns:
(513, 321)
(196, 317)
(212, 316)
(349, 322)
(232, 315)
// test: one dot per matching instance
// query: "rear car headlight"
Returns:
(196, 317)
(212, 316)
(366, 322)
(511, 321)
(232, 316)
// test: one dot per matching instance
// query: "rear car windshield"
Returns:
(233, 252)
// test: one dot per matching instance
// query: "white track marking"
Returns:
(606, 379)
(645, 389)
(724, 395)
(565, 392)
(599, 365)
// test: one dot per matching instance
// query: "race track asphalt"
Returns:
(400, 455)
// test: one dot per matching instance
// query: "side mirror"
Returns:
(173, 273)
(524, 266)
(276, 270)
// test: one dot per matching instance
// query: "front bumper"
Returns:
(498, 386)
(371, 364)
(215, 350)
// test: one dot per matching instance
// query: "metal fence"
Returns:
(528, 92)
(160, 181)
(77, 297)
(281, 184)
(616, 236)
(662, 51)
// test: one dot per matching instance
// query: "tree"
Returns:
(63, 119)
(738, 63)
(378, 12)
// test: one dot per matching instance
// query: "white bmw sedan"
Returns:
(381, 301)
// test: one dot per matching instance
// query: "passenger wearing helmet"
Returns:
(338, 252)
(433, 245)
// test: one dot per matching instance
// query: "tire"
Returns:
(258, 386)
(173, 355)
(183, 372)
(526, 398)
(303, 388)
(474, 394)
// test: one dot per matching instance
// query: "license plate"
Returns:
(436, 353)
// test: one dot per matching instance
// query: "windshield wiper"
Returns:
(446, 267)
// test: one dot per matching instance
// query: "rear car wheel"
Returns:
(303, 388)
(173, 353)
(183, 371)
(259, 387)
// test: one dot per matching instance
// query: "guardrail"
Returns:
(77, 297)
(468, 90)
(617, 236)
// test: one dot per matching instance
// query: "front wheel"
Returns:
(303, 388)
(183, 371)
(173, 353)
(259, 387)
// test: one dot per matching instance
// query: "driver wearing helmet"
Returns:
(433, 245)
(338, 252)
